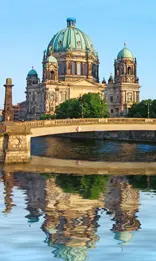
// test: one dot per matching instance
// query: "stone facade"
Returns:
(19, 111)
(123, 90)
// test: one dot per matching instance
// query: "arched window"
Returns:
(52, 75)
(111, 98)
(129, 70)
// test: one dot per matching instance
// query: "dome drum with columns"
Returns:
(75, 54)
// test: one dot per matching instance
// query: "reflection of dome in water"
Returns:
(33, 219)
(124, 236)
(70, 253)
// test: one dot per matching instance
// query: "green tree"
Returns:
(88, 106)
(68, 109)
(90, 186)
(143, 182)
(93, 106)
(140, 110)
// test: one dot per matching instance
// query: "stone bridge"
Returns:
(15, 137)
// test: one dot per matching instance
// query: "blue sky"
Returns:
(27, 26)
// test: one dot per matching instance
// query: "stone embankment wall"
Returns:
(115, 135)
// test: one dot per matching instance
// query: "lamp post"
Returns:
(148, 113)
(148, 109)
(81, 104)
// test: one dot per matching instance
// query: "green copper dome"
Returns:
(70, 38)
(51, 59)
(32, 72)
(125, 53)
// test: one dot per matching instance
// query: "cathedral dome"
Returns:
(125, 53)
(32, 72)
(70, 38)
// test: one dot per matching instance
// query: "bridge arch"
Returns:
(19, 134)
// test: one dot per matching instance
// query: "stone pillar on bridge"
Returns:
(18, 149)
(15, 144)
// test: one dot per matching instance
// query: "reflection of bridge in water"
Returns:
(51, 165)
(15, 137)
(71, 219)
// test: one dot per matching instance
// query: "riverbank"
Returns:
(80, 167)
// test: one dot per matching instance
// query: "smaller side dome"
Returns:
(51, 59)
(32, 72)
(125, 53)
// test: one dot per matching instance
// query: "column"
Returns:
(89, 70)
(8, 108)
(68, 68)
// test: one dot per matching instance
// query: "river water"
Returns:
(73, 218)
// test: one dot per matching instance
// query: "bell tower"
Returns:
(122, 91)
(8, 108)
(125, 67)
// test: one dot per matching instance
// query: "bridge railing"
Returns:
(85, 121)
